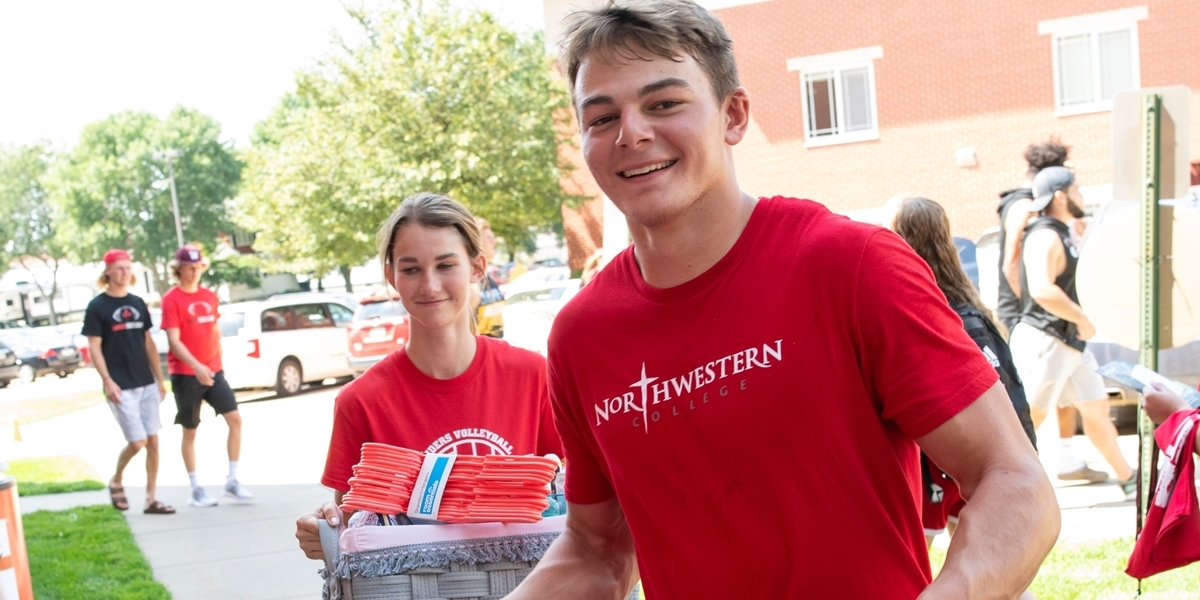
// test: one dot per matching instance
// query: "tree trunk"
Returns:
(161, 277)
(345, 270)
(38, 284)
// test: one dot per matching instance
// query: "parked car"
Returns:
(528, 315)
(380, 326)
(285, 342)
(8, 365)
(40, 353)
(535, 279)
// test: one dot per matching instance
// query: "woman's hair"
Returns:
(924, 225)
(102, 281)
(629, 30)
(428, 210)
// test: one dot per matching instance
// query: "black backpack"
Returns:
(992, 344)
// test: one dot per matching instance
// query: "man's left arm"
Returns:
(1011, 519)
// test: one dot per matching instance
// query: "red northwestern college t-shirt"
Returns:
(195, 315)
(756, 422)
(499, 405)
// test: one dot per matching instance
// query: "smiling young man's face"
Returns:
(654, 136)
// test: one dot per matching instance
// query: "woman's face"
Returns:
(433, 274)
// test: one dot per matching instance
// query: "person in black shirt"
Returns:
(117, 325)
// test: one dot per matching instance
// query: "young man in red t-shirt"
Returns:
(745, 388)
(190, 320)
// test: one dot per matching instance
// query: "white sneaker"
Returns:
(201, 499)
(237, 491)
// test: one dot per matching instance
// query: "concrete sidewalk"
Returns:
(232, 550)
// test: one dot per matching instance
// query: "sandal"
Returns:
(158, 508)
(117, 494)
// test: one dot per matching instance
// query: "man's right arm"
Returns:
(203, 374)
(593, 559)
(112, 391)
(1014, 232)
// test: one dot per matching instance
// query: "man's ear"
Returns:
(737, 115)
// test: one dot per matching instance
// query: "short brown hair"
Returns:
(625, 30)
(1051, 153)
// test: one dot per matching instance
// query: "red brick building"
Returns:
(855, 102)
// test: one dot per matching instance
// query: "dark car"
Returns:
(8, 365)
(40, 354)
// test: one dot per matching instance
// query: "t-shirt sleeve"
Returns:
(548, 441)
(147, 322)
(93, 323)
(345, 443)
(916, 358)
(170, 317)
(586, 482)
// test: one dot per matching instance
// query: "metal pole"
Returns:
(175, 202)
(1150, 263)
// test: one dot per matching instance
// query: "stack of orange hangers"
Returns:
(479, 489)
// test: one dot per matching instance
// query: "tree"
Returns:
(115, 193)
(30, 221)
(435, 99)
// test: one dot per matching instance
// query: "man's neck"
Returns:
(116, 291)
(191, 288)
(680, 251)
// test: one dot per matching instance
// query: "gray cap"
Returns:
(1048, 181)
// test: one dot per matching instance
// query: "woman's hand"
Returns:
(1161, 402)
(309, 534)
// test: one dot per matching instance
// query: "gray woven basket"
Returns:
(474, 570)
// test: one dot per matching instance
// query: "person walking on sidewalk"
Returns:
(1014, 216)
(1048, 343)
(117, 326)
(190, 320)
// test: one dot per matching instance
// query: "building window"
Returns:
(837, 96)
(1095, 58)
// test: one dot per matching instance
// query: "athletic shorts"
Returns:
(1054, 373)
(189, 393)
(941, 503)
(137, 414)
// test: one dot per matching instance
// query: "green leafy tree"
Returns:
(435, 99)
(30, 222)
(116, 193)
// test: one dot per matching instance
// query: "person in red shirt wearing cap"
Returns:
(190, 320)
(117, 326)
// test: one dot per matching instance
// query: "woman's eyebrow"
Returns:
(413, 259)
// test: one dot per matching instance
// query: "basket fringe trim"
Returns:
(401, 559)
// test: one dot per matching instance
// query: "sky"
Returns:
(67, 63)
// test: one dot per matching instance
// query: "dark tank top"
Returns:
(1008, 303)
(1031, 312)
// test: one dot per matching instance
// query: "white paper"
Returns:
(431, 485)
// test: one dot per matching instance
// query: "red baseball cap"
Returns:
(188, 255)
(114, 255)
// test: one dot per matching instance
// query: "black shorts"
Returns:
(188, 394)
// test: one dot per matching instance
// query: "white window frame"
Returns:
(835, 63)
(1094, 25)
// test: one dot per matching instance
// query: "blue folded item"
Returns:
(1138, 378)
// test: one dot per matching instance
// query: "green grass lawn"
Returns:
(1096, 571)
(87, 553)
(53, 475)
